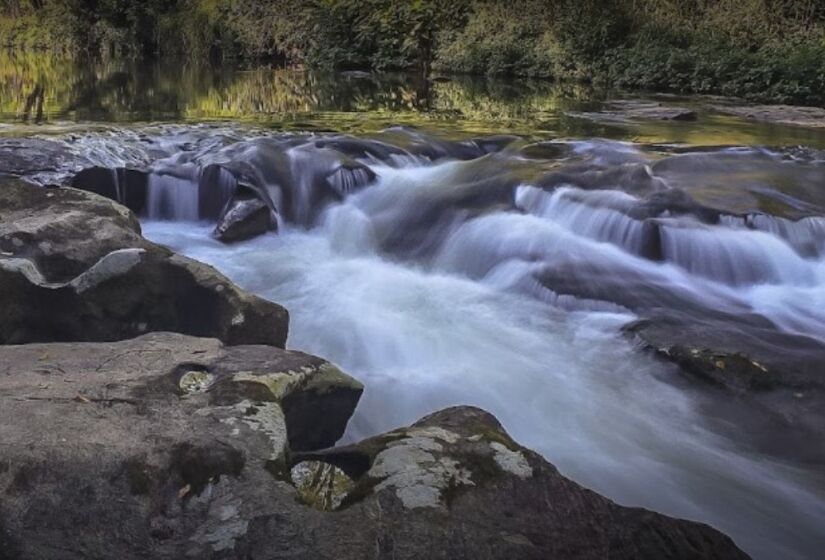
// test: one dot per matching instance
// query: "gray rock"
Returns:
(777, 375)
(75, 268)
(34, 156)
(455, 485)
(163, 446)
(168, 446)
(244, 219)
(63, 231)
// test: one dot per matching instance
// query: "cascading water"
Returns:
(171, 198)
(471, 280)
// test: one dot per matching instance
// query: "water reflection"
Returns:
(41, 89)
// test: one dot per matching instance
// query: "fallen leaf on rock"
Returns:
(184, 491)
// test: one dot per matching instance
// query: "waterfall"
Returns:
(171, 198)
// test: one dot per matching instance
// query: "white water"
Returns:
(171, 198)
(469, 329)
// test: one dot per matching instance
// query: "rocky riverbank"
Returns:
(148, 409)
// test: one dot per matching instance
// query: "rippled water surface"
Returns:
(443, 266)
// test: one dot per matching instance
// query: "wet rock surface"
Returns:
(27, 156)
(778, 376)
(75, 268)
(123, 185)
(244, 218)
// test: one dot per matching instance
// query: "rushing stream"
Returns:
(431, 304)
(444, 269)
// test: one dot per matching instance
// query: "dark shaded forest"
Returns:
(766, 50)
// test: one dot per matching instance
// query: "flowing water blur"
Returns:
(434, 290)
(561, 378)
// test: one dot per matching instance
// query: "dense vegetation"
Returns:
(761, 49)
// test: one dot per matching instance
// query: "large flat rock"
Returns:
(156, 446)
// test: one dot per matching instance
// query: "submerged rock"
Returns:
(812, 117)
(773, 380)
(75, 268)
(745, 355)
(653, 110)
(624, 110)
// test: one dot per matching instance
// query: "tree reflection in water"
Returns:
(40, 88)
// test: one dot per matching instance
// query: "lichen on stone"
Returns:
(434, 432)
(511, 461)
(416, 470)
(321, 380)
(223, 526)
(277, 384)
(268, 418)
(264, 417)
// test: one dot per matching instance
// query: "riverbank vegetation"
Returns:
(767, 50)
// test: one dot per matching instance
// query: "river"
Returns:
(500, 272)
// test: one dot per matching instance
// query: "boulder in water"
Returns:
(456, 485)
(298, 180)
(775, 374)
(743, 354)
(244, 218)
(63, 231)
(75, 268)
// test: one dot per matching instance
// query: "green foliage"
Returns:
(768, 50)
(500, 39)
(761, 49)
(775, 72)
